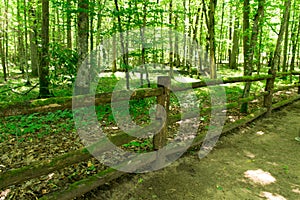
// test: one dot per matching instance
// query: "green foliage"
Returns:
(36, 124)
(63, 63)
(233, 93)
(139, 146)
(107, 84)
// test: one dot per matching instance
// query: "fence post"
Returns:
(269, 88)
(163, 102)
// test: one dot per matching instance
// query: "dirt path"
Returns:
(267, 144)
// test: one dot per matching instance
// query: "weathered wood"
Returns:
(85, 185)
(281, 74)
(285, 102)
(62, 103)
(39, 168)
(163, 102)
(224, 80)
(296, 72)
(122, 95)
(269, 88)
(286, 87)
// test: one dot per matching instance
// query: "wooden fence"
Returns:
(162, 92)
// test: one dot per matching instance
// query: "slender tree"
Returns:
(44, 64)
(69, 24)
(250, 52)
(294, 45)
(83, 84)
(275, 60)
(122, 43)
(213, 70)
(33, 39)
(2, 54)
(235, 46)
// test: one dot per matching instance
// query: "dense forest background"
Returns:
(50, 39)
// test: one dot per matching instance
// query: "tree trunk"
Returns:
(171, 54)
(207, 36)
(114, 53)
(6, 39)
(285, 48)
(44, 64)
(185, 30)
(2, 53)
(176, 50)
(69, 25)
(294, 46)
(33, 41)
(213, 71)
(195, 34)
(26, 44)
(276, 57)
(250, 51)
(275, 60)
(235, 46)
(260, 49)
(20, 57)
(122, 44)
(82, 86)
(230, 36)
(220, 50)
(142, 29)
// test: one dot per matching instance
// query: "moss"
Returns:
(90, 180)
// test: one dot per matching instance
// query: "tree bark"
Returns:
(285, 48)
(220, 50)
(69, 25)
(235, 46)
(249, 50)
(294, 46)
(26, 45)
(82, 86)
(2, 44)
(275, 60)
(122, 44)
(33, 41)
(2, 53)
(20, 57)
(44, 64)
(171, 54)
(213, 70)
(276, 57)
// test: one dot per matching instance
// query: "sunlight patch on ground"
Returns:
(296, 191)
(4, 193)
(185, 79)
(249, 154)
(259, 176)
(271, 196)
(260, 133)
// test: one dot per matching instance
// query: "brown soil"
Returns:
(267, 145)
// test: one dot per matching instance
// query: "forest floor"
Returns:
(259, 161)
